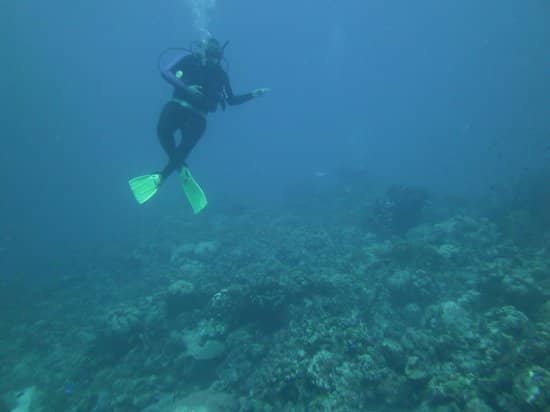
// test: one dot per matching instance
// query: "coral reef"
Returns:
(398, 211)
(280, 313)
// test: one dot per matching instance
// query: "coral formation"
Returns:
(287, 314)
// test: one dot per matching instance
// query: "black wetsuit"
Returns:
(187, 112)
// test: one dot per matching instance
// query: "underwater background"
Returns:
(378, 230)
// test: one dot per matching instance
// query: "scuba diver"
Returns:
(200, 85)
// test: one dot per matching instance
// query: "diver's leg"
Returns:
(169, 122)
(191, 133)
(144, 187)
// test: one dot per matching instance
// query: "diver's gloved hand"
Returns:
(260, 92)
(194, 90)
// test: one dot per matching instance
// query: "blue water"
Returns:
(450, 97)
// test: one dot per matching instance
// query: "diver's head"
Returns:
(213, 50)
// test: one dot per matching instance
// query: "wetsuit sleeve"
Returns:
(169, 72)
(233, 99)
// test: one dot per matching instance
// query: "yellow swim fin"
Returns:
(193, 191)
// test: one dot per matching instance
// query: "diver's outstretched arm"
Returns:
(233, 99)
(260, 92)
